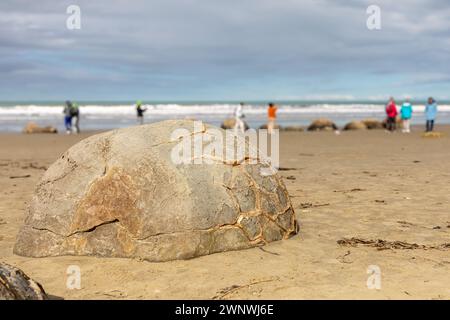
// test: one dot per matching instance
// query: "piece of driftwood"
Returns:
(384, 244)
(227, 291)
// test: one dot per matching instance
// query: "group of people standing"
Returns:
(406, 112)
(239, 124)
(72, 117)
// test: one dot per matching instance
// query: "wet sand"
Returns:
(366, 185)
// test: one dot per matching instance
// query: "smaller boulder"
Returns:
(16, 285)
(398, 123)
(355, 125)
(373, 124)
(293, 128)
(32, 127)
(322, 125)
(230, 123)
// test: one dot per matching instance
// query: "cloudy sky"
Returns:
(223, 50)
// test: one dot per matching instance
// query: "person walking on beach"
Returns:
(239, 125)
(406, 114)
(140, 112)
(391, 112)
(75, 114)
(68, 116)
(271, 117)
(430, 114)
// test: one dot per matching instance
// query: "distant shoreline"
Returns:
(300, 102)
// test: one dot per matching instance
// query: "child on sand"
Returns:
(430, 114)
(406, 113)
(391, 112)
(272, 116)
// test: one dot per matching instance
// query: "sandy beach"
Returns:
(365, 185)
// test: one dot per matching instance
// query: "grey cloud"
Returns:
(159, 43)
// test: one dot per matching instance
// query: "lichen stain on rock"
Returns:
(110, 197)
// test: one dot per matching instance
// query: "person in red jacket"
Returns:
(391, 112)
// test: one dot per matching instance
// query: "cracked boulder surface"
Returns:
(120, 194)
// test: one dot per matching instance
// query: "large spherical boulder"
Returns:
(16, 285)
(355, 125)
(32, 127)
(322, 125)
(120, 194)
(231, 123)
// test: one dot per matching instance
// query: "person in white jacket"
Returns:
(239, 124)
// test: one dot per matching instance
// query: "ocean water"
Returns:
(108, 115)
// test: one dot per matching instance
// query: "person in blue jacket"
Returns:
(406, 114)
(430, 114)
(68, 116)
